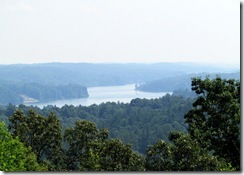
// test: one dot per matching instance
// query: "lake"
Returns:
(98, 95)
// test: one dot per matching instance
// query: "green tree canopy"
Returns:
(78, 138)
(14, 155)
(89, 149)
(116, 156)
(214, 120)
(184, 154)
(42, 134)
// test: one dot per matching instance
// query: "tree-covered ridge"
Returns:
(55, 81)
(211, 141)
(180, 83)
(88, 74)
(36, 92)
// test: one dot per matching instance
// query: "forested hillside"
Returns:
(140, 123)
(182, 82)
(88, 74)
(35, 92)
(175, 133)
(56, 81)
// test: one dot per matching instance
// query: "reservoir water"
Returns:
(98, 95)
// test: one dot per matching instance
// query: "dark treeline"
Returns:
(201, 134)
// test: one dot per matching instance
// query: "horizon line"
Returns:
(136, 62)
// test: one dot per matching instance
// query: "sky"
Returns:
(40, 31)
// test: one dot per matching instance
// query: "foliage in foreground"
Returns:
(214, 120)
(184, 154)
(213, 142)
(14, 156)
(85, 148)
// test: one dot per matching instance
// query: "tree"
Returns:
(184, 154)
(14, 156)
(90, 150)
(116, 156)
(214, 120)
(159, 157)
(78, 139)
(42, 134)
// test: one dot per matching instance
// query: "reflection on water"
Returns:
(98, 95)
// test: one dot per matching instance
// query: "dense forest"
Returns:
(88, 74)
(181, 82)
(140, 123)
(172, 133)
(57, 81)
(22, 93)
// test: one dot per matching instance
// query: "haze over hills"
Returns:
(89, 74)
(54, 81)
(181, 81)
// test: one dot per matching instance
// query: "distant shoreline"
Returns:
(27, 99)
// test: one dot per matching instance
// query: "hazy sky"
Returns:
(34, 31)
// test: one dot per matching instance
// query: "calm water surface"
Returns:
(98, 95)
